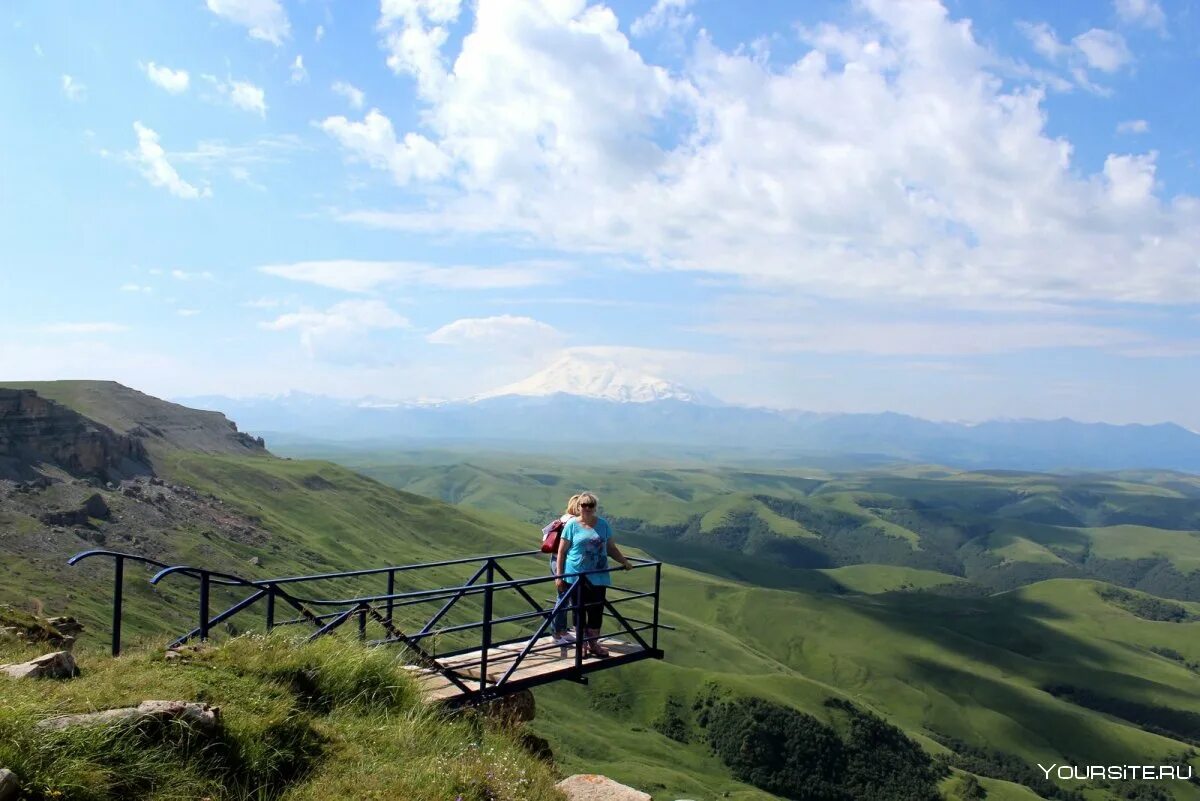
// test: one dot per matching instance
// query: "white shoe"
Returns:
(566, 638)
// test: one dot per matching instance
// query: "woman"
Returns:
(585, 545)
(561, 635)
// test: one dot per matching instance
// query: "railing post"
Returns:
(118, 592)
(487, 627)
(204, 606)
(391, 590)
(270, 607)
(362, 622)
(657, 587)
(577, 588)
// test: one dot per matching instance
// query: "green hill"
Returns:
(1061, 670)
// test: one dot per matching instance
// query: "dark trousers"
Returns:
(593, 604)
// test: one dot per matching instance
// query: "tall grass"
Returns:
(324, 720)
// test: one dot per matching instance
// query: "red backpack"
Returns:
(550, 535)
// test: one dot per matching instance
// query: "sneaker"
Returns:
(563, 638)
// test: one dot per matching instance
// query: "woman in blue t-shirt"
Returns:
(585, 544)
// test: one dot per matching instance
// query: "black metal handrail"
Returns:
(487, 580)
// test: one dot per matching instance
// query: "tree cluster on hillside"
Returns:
(1145, 607)
(795, 755)
(995, 764)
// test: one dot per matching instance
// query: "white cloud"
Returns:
(920, 167)
(1103, 50)
(152, 161)
(1133, 127)
(668, 15)
(374, 141)
(83, 328)
(1147, 13)
(363, 276)
(337, 329)
(319, 33)
(265, 19)
(504, 332)
(415, 32)
(299, 74)
(136, 288)
(187, 312)
(1130, 179)
(174, 81)
(354, 96)
(72, 89)
(183, 275)
(248, 97)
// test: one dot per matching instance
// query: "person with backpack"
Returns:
(585, 545)
(550, 539)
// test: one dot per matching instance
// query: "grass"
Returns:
(328, 719)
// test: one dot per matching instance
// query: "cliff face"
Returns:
(37, 431)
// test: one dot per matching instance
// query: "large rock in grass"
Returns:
(592, 787)
(10, 788)
(515, 708)
(202, 717)
(58, 665)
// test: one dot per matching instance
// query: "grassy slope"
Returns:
(302, 722)
(967, 669)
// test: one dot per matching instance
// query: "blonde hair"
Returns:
(585, 496)
(573, 506)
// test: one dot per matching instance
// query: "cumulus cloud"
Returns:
(1147, 13)
(668, 15)
(374, 141)
(354, 96)
(73, 89)
(892, 157)
(415, 31)
(151, 159)
(503, 332)
(174, 81)
(1133, 127)
(264, 19)
(349, 275)
(183, 275)
(1103, 50)
(240, 94)
(336, 331)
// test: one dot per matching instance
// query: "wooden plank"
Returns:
(436, 687)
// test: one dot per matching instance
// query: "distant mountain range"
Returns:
(604, 405)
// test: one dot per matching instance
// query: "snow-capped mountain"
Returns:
(608, 381)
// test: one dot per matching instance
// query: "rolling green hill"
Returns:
(1068, 670)
(997, 529)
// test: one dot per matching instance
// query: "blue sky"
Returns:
(962, 211)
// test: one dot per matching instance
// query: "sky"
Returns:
(962, 211)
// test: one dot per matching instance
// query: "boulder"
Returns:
(10, 788)
(592, 787)
(58, 665)
(202, 717)
(96, 506)
(66, 625)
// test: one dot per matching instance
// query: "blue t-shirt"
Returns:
(588, 550)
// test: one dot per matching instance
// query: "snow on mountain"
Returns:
(609, 381)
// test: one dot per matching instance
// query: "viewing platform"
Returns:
(489, 635)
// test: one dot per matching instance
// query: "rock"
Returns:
(516, 708)
(592, 787)
(71, 517)
(58, 665)
(254, 560)
(10, 788)
(96, 506)
(67, 625)
(203, 717)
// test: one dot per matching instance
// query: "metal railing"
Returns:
(490, 582)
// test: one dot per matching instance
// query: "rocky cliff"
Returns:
(36, 431)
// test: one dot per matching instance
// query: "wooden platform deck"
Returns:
(538, 667)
